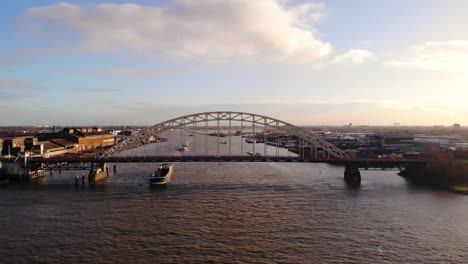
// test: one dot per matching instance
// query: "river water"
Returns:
(232, 212)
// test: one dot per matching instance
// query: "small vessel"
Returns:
(162, 175)
(250, 140)
(223, 142)
(183, 147)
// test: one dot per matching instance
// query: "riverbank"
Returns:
(463, 189)
(445, 171)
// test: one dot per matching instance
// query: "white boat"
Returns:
(183, 147)
(250, 140)
(162, 175)
(223, 142)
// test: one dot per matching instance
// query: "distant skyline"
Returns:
(366, 62)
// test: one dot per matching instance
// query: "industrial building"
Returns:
(56, 147)
(391, 140)
(69, 140)
(14, 145)
(83, 138)
(121, 134)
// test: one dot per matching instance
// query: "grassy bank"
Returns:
(460, 189)
(446, 170)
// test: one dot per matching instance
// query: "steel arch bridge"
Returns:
(192, 122)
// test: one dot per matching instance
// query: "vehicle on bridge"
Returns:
(162, 175)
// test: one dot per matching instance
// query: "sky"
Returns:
(366, 62)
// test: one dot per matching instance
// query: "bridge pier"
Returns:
(98, 172)
(19, 171)
(352, 175)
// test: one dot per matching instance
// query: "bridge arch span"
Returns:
(313, 140)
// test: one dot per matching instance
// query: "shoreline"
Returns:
(442, 178)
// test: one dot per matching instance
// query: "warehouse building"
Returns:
(13, 145)
(83, 138)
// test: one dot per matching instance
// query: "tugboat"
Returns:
(162, 175)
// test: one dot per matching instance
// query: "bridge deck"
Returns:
(361, 163)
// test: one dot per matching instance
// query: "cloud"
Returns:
(354, 57)
(13, 90)
(26, 55)
(333, 113)
(97, 90)
(448, 56)
(6, 96)
(141, 73)
(111, 112)
(309, 12)
(207, 30)
(9, 84)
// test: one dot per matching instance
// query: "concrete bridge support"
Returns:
(20, 171)
(352, 175)
(98, 172)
